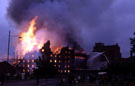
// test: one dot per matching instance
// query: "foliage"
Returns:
(132, 43)
(45, 68)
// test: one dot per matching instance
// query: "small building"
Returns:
(111, 51)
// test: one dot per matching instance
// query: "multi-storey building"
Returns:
(64, 60)
(26, 64)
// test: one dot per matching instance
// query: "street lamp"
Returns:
(9, 35)
(8, 46)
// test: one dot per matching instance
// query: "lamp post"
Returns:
(8, 46)
(9, 35)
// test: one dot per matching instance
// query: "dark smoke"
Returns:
(81, 21)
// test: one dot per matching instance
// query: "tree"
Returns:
(45, 68)
(132, 43)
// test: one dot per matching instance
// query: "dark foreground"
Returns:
(46, 82)
(20, 83)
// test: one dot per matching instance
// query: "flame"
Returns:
(28, 40)
(57, 50)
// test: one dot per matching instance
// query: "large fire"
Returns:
(28, 40)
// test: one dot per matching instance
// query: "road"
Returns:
(20, 83)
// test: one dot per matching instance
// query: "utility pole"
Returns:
(8, 46)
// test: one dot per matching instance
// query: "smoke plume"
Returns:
(81, 21)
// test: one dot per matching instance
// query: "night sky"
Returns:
(107, 21)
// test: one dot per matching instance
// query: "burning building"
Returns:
(62, 58)
(27, 63)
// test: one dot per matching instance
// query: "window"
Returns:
(68, 71)
(28, 65)
(68, 66)
(50, 61)
(59, 61)
(55, 61)
(33, 61)
(42, 50)
(32, 55)
(51, 55)
(54, 65)
(28, 70)
(19, 61)
(23, 70)
(61, 71)
(55, 56)
(23, 61)
(32, 65)
(28, 61)
(59, 66)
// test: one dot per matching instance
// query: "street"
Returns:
(20, 83)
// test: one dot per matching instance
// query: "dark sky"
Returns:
(107, 21)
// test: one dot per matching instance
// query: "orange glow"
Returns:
(28, 65)
(23, 70)
(54, 65)
(43, 50)
(28, 61)
(23, 61)
(32, 65)
(57, 50)
(33, 61)
(55, 61)
(19, 61)
(68, 66)
(32, 55)
(51, 55)
(28, 40)
(79, 57)
(50, 61)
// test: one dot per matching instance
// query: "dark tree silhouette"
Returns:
(132, 44)
(45, 68)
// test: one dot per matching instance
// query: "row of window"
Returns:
(59, 61)
(64, 71)
(24, 70)
(66, 66)
(27, 65)
(27, 61)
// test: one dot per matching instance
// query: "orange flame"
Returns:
(29, 42)
(57, 50)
